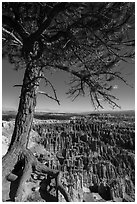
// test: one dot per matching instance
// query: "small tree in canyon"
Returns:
(86, 40)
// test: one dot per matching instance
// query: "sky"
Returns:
(10, 94)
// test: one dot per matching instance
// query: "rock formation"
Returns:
(96, 156)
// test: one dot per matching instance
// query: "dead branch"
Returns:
(55, 98)
(12, 35)
(44, 93)
(17, 85)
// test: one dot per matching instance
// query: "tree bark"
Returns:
(18, 163)
(23, 120)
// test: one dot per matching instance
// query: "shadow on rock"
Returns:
(46, 190)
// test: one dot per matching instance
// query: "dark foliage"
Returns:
(84, 39)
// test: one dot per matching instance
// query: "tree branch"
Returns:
(67, 69)
(11, 23)
(56, 37)
(56, 10)
(12, 35)
(117, 75)
(44, 93)
(17, 85)
(94, 87)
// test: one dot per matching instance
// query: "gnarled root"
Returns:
(28, 164)
(55, 174)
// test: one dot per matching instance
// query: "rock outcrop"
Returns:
(97, 157)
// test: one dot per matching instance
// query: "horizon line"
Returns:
(56, 111)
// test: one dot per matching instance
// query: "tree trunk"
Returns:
(19, 162)
(23, 121)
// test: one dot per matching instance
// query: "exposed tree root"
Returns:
(25, 175)
(55, 174)
(26, 163)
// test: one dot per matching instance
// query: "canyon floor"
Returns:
(96, 154)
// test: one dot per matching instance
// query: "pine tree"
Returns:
(86, 40)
